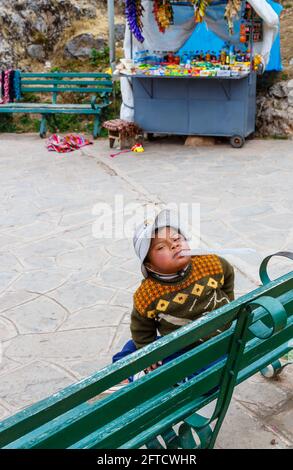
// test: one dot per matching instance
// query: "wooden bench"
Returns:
(261, 331)
(98, 84)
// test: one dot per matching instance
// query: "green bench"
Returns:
(99, 85)
(152, 406)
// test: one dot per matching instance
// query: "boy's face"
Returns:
(163, 255)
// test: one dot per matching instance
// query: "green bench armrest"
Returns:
(104, 96)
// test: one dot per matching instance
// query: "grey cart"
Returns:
(208, 106)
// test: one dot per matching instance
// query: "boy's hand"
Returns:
(152, 367)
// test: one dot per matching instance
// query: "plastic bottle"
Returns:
(231, 56)
(247, 56)
(223, 57)
(242, 37)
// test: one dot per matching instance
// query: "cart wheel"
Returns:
(150, 136)
(237, 141)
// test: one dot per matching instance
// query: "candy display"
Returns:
(228, 63)
(251, 27)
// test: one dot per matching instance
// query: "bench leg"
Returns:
(97, 127)
(43, 127)
(274, 369)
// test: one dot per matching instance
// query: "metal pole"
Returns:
(111, 22)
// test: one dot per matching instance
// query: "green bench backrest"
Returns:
(261, 332)
(63, 82)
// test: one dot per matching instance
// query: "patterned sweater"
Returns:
(164, 306)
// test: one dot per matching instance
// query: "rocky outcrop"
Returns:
(38, 31)
(30, 28)
(81, 46)
(274, 115)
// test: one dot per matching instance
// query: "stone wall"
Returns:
(275, 111)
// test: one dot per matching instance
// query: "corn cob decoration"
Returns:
(163, 13)
(200, 7)
(232, 10)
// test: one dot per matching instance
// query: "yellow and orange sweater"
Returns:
(161, 307)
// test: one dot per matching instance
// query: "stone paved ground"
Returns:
(65, 296)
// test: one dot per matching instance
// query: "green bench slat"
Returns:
(198, 352)
(151, 411)
(75, 419)
(118, 424)
(83, 426)
(44, 105)
(74, 395)
(184, 412)
(64, 90)
(65, 74)
(61, 83)
(164, 424)
(56, 110)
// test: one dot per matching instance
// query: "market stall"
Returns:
(167, 89)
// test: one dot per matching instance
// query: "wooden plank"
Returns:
(62, 434)
(61, 83)
(95, 432)
(89, 110)
(105, 418)
(34, 89)
(46, 105)
(77, 393)
(72, 396)
(179, 401)
(66, 74)
(142, 437)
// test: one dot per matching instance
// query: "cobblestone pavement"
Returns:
(65, 296)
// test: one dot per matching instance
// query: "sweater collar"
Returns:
(171, 278)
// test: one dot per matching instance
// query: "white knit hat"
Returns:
(143, 234)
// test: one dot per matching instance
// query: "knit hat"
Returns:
(143, 234)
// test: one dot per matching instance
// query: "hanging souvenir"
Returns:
(133, 12)
(232, 11)
(200, 7)
(163, 13)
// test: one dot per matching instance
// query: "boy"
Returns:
(177, 289)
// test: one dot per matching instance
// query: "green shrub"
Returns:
(7, 123)
(98, 57)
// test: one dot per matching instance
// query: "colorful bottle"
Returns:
(242, 37)
(223, 57)
(231, 56)
(247, 56)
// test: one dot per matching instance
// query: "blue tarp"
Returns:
(203, 39)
